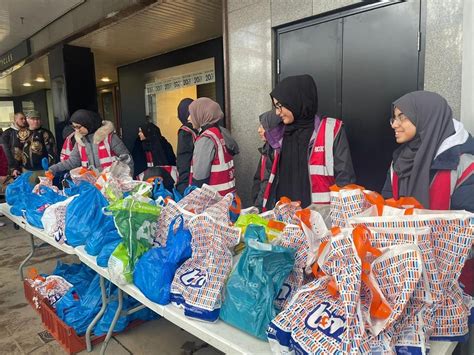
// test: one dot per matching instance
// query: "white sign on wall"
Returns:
(181, 81)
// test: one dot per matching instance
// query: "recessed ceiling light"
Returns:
(27, 84)
(105, 79)
(40, 79)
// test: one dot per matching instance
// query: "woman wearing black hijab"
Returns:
(186, 137)
(97, 145)
(435, 162)
(315, 153)
(158, 150)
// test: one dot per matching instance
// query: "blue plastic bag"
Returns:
(79, 275)
(176, 195)
(78, 311)
(155, 270)
(107, 250)
(17, 188)
(254, 284)
(159, 190)
(106, 235)
(84, 217)
(37, 203)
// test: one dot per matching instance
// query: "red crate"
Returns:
(65, 335)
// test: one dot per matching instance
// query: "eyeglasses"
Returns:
(76, 126)
(278, 106)
(399, 119)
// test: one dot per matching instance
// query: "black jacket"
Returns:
(160, 148)
(40, 144)
(184, 156)
(13, 141)
(259, 184)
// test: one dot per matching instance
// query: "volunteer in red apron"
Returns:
(213, 161)
(184, 152)
(435, 161)
(97, 146)
(315, 152)
(271, 131)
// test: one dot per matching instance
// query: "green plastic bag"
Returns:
(243, 222)
(136, 223)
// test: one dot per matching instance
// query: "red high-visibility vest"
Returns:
(443, 184)
(106, 155)
(222, 167)
(271, 178)
(321, 160)
(189, 130)
(67, 148)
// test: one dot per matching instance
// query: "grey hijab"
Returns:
(433, 118)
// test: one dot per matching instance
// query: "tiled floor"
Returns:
(20, 324)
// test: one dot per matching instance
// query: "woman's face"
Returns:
(261, 133)
(190, 121)
(80, 129)
(285, 114)
(404, 129)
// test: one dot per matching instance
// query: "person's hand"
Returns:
(2, 179)
(16, 173)
(140, 134)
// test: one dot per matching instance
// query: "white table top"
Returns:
(39, 233)
(220, 335)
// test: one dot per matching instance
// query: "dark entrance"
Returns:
(362, 60)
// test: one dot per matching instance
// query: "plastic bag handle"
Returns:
(335, 188)
(238, 205)
(180, 226)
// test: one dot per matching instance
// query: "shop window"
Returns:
(6, 114)
(166, 88)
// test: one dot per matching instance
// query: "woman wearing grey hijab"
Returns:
(212, 162)
(435, 162)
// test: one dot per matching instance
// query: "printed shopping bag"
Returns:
(416, 323)
(136, 223)
(253, 285)
(346, 202)
(315, 322)
(168, 214)
(199, 283)
(397, 274)
(451, 238)
(285, 210)
(220, 210)
(305, 239)
(54, 220)
(199, 199)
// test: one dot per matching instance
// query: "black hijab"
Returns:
(433, 119)
(299, 95)
(183, 110)
(88, 119)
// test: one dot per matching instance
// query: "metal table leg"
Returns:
(105, 302)
(114, 321)
(22, 265)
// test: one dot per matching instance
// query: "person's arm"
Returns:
(204, 152)
(50, 144)
(463, 195)
(183, 160)
(119, 148)
(74, 161)
(343, 169)
(387, 187)
(3, 163)
(257, 185)
(7, 144)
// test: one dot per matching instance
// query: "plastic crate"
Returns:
(65, 335)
